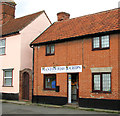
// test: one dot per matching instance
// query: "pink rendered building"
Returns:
(15, 53)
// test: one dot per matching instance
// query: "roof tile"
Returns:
(89, 24)
(18, 24)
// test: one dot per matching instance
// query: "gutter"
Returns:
(17, 32)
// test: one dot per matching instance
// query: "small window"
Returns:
(96, 42)
(49, 82)
(101, 42)
(105, 41)
(50, 49)
(7, 76)
(102, 82)
(97, 82)
(2, 47)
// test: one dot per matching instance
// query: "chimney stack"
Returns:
(7, 10)
(63, 16)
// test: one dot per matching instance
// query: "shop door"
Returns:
(73, 87)
(25, 86)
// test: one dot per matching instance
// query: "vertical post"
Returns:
(69, 88)
(1, 65)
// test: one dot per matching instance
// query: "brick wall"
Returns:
(8, 12)
(119, 65)
(78, 52)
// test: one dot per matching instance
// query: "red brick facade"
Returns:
(78, 52)
(73, 40)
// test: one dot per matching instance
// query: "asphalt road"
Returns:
(8, 108)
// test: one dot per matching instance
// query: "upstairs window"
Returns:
(50, 49)
(101, 42)
(101, 82)
(2, 47)
(7, 77)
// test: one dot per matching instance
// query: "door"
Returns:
(25, 86)
(73, 87)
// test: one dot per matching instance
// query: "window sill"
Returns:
(104, 92)
(7, 86)
(50, 54)
(2, 54)
(48, 89)
(97, 49)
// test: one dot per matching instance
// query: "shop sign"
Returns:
(61, 69)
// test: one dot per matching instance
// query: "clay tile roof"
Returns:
(80, 26)
(15, 25)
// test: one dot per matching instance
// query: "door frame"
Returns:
(68, 84)
(25, 86)
(29, 71)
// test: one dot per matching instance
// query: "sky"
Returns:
(75, 8)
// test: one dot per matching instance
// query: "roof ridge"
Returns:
(89, 15)
(99, 12)
(30, 14)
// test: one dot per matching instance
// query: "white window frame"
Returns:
(4, 70)
(3, 46)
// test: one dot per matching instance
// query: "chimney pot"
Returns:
(63, 16)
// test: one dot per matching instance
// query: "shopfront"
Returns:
(50, 74)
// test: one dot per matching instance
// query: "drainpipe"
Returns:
(32, 70)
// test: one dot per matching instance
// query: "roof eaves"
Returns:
(17, 32)
(76, 37)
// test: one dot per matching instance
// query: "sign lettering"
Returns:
(61, 69)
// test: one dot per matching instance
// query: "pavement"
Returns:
(58, 106)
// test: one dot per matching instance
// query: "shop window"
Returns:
(7, 77)
(101, 42)
(50, 49)
(101, 82)
(2, 47)
(49, 82)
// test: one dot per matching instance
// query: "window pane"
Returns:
(96, 42)
(106, 80)
(8, 73)
(52, 49)
(50, 82)
(2, 50)
(96, 82)
(7, 81)
(2, 43)
(105, 41)
(48, 49)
